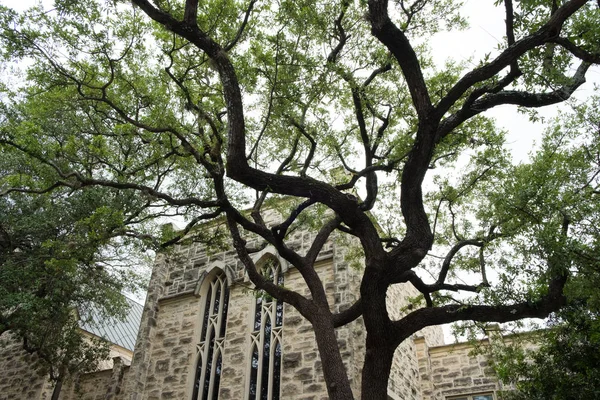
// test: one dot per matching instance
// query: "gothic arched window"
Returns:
(265, 354)
(210, 348)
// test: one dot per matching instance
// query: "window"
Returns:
(265, 354)
(479, 396)
(210, 348)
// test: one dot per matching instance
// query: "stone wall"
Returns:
(92, 386)
(453, 370)
(20, 375)
(404, 382)
(165, 356)
(170, 337)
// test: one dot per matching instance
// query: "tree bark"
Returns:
(376, 371)
(57, 389)
(336, 376)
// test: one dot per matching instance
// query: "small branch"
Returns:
(342, 37)
(592, 58)
(450, 256)
(350, 314)
(189, 227)
(383, 69)
(242, 27)
(281, 230)
(320, 240)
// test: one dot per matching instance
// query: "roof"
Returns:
(120, 332)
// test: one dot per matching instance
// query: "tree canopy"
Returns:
(209, 109)
(57, 268)
(565, 366)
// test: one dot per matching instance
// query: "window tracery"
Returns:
(209, 350)
(265, 353)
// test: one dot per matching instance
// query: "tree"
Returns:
(564, 367)
(55, 269)
(193, 106)
(566, 364)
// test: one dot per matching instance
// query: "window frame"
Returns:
(273, 310)
(470, 396)
(215, 322)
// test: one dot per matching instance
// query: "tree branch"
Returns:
(320, 240)
(399, 46)
(350, 314)
(546, 33)
(424, 317)
(514, 97)
(242, 27)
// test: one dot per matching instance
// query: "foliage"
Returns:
(565, 366)
(216, 110)
(55, 267)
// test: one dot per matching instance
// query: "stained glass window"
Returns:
(265, 356)
(210, 347)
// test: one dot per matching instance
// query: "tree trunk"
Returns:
(336, 376)
(376, 372)
(57, 389)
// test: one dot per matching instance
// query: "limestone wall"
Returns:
(173, 332)
(404, 380)
(20, 375)
(92, 386)
(452, 370)
(164, 360)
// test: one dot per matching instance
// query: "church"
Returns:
(204, 333)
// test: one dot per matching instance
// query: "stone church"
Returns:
(205, 334)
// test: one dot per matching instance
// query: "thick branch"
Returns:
(320, 240)
(189, 226)
(398, 44)
(527, 99)
(545, 34)
(515, 97)
(510, 30)
(348, 315)
(191, 12)
(424, 317)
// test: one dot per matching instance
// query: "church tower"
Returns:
(206, 334)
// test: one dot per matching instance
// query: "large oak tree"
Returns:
(191, 105)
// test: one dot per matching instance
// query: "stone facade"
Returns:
(20, 374)
(164, 360)
(22, 377)
(171, 324)
(453, 370)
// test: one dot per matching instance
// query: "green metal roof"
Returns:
(122, 333)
